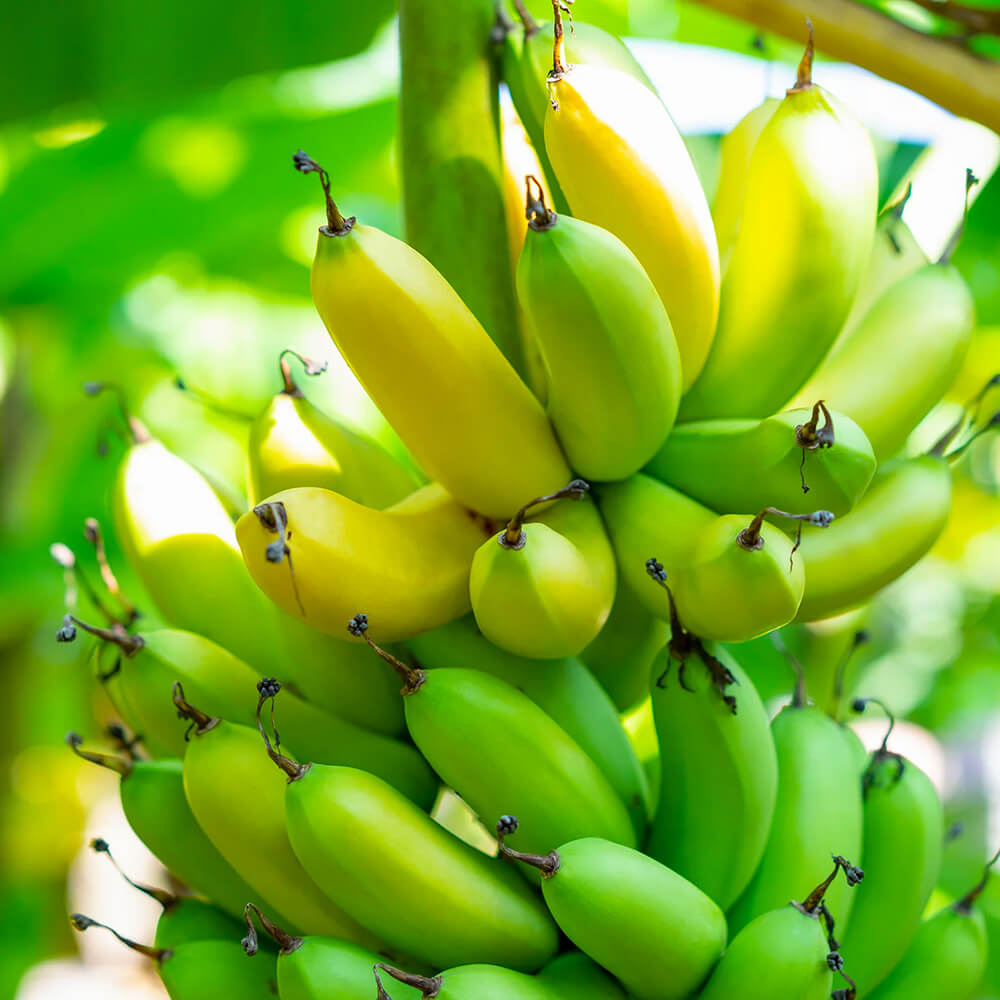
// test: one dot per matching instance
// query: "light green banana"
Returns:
(471, 982)
(719, 772)
(603, 335)
(565, 689)
(545, 589)
(574, 976)
(805, 235)
(790, 460)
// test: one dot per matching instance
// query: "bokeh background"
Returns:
(151, 227)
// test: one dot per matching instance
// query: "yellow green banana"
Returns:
(652, 929)
(319, 556)
(430, 367)
(604, 335)
(804, 239)
(623, 166)
(790, 460)
(924, 320)
(719, 774)
(544, 589)
(574, 976)
(293, 443)
(467, 982)
(734, 160)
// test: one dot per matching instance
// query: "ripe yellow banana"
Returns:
(622, 165)
(804, 239)
(431, 368)
(320, 556)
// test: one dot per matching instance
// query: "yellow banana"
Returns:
(320, 556)
(804, 239)
(431, 368)
(623, 166)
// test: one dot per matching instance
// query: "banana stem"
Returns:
(429, 986)
(166, 899)
(803, 79)
(212, 404)
(137, 429)
(859, 639)
(540, 217)
(72, 574)
(128, 644)
(559, 42)
(413, 678)
(524, 15)
(268, 688)
(852, 873)
(200, 722)
(336, 224)
(119, 765)
(82, 922)
(971, 180)
(512, 537)
(799, 698)
(309, 366)
(92, 532)
(285, 941)
(964, 905)
(751, 539)
(547, 864)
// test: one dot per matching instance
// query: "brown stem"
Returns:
(559, 64)
(540, 217)
(128, 644)
(429, 986)
(159, 955)
(512, 537)
(285, 941)
(547, 864)
(413, 678)
(853, 874)
(72, 574)
(336, 224)
(803, 79)
(120, 765)
(268, 688)
(964, 905)
(809, 436)
(92, 532)
(859, 639)
(274, 518)
(166, 899)
(200, 722)
(530, 24)
(751, 539)
(309, 366)
(137, 429)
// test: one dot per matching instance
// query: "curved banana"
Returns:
(431, 368)
(926, 318)
(467, 981)
(612, 367)
(623, 166)
(892, 527)
(804, 239)
(545, 589)
(735, 151)
(787, 461)
(817, 813)
(719, 775)
(408, 564)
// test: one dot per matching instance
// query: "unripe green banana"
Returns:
(894, 525)
(406, 878)
(735, 151)
(545, 589)
(652, 929)
(719, 773)
(174, 528)
(926, 318)
(947, 956)
(623, 165)
(604, 335)
(153, 800)
(527, 60)
(315, 554)
(804, 239)
(622, 654)
(313, 967)
(474, 426)
(194, 970)
(238, 799)
(470, 982)
(784, 953)
(817, 812)
(790, 461)
(223, 686)
(489, 742)
(904, 834)
(293, 443)
(564, 689)
(576, 977)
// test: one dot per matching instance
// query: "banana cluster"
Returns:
(704, 447)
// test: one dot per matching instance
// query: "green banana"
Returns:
(293, 443)
(576, 977)
(946, 958)
(489, 742)
(313, 967)
(239, 801)
(194, 970)
(470, 982)
(805, 235)
(603, 335)
(892, 527)
(222, 685)
(622, 654)
(784, 953)
(404, 877)
(171, 525)
(904, 835)
(735, 151)
(817, 812)
(719, 775)
(648, 926)
(788, 461)
(926, 318)
(545, 589)
(564, 689)
(153, 800)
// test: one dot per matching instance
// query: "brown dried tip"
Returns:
(803, 80)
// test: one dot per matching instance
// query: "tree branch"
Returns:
(940, 69)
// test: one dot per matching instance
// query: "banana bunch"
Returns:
(344, 710)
